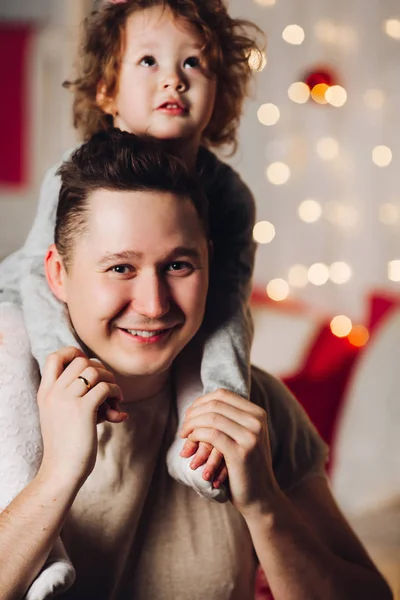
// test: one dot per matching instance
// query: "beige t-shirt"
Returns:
(133, 533)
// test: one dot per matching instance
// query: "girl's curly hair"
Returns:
(228, 45)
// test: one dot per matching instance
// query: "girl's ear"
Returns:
(55, 273)
(104, 101)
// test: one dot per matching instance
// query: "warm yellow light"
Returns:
(382, 156)
(374, 99)
(278, 289)
(318, 93)
(266, 2)
(327, 148)
(336, 96)
(394, 270)
(299, 92)
(309, 211)
(257, 60)
(388, 213)
(392, 28)
(358, 336)
(293, 34)
(278, 173)
(318, 274)
(268, 114)
(341, 326)
(340, 272)
(263, 232)
(326, 31)
(298, 276)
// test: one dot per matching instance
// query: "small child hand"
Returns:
(215, 469)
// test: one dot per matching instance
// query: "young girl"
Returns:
(178, 71)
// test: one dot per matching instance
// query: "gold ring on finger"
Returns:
(86, 382)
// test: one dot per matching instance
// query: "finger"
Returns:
(189, 448)
(222, 442)
(113, 414)
(227, 397)
(212, 464)
(72, 371)
(92, 375)
(245, 418)
(201, 456)
(100, 393)
(219, 423)
(220, 476)
(55, 365)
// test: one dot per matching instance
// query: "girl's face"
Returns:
(163, 89)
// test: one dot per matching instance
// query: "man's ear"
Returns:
(55, 273)
(104, 101)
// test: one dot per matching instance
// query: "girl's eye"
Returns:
(148, 61)
(121, 269)
(193, 62)
(180, 266)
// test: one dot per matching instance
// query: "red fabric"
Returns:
(379, 305)
(14, 40)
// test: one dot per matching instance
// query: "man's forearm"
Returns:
(299, 567)
(28, 529)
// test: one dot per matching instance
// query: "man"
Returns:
(131, 262)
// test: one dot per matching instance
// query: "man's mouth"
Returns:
(148, 335)
(145, 333)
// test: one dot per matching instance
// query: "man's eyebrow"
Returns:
(118, 256)
(111, 257)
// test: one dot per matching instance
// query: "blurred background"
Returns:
(320, 149)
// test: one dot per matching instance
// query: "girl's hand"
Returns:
(238, 430)
(70, 409)
(203, 453)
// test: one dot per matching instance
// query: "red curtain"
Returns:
(14, 138)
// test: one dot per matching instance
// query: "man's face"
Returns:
(137, 283)
(163, 90)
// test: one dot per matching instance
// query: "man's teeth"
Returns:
(144, 334)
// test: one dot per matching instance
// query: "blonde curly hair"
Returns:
(228, 45)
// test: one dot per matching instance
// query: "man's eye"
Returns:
(121, 269)
(193, 62)
(180, 266)
(148, 61)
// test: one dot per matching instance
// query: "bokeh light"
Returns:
(374, 99)
(336, 96)
(326, 31)
(299, 92)
(318, 93)
(341, 326)
(278, 289)
(298, 276)
(394, 270)
(327, 148)
(278, 173)
(382, 156)
(358, 336)
(263, 232)
(266, 2)
(318, 274)
(388, 213)
(340, 272)
(392, 28)
(293, 34)
(268, 114)
(309, 211)
(257, 61)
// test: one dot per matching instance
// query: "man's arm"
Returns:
(29, 527)
(308, 550)
(32, 521)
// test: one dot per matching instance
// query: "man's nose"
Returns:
(151, 296)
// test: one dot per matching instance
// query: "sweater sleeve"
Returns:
(228, 325)
(23, 279)
(298, 452)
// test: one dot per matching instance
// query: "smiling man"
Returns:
(131, 263)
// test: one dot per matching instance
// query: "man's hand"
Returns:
(69, 411)
(238, 430)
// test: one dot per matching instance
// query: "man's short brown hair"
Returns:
(228, 45)
(120, 161)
